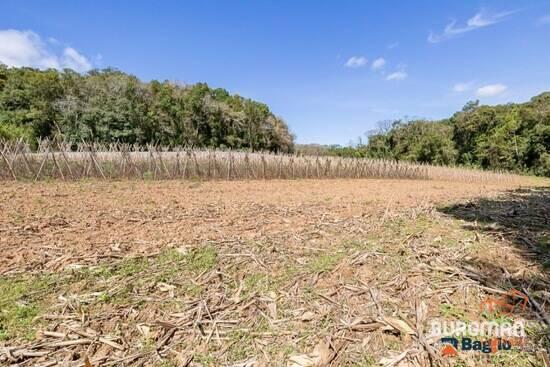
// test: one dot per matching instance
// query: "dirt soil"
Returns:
(47, 227)
(263, 273)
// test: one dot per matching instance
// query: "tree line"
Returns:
(112, 106)
(512, 137)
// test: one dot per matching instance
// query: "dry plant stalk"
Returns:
(67, 161)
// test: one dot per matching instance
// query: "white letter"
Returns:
(436, 328)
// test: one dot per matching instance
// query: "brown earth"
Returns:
(48, 226)
(264, 273)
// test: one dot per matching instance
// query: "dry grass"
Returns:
(275, 273)
(76, 161)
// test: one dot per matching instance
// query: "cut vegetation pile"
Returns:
(276, 273)
(77, 161)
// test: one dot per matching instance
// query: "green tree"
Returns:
(111, 106)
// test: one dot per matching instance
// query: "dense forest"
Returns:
(112, 106)
(511, 137)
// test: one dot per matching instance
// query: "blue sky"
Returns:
(331, 69)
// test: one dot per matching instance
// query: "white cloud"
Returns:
(378, 63)
(491, 90)
(398, 75)
(356, 62)
(73, 60)
(392, 45)
(462, 87)
(479, 20)
(545, 19)
(26, 48)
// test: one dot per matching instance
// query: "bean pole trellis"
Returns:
(73, 161)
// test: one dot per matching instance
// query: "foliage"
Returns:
(511, 137)
(13, 132)
(112, 106)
